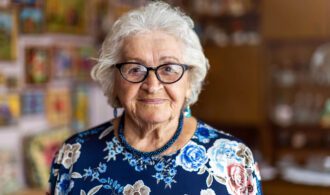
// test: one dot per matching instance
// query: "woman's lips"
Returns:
(152, 100)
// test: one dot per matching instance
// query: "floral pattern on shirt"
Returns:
(97, 174)
(65, 185)
(113, 148)
(208, 191)
(165, 171)
(222, 151)
(219, 158)
(68, 155)
(192, 157)
(137, 188)
(240, 180)
(233, 161)
(205, 133)
(164, 168)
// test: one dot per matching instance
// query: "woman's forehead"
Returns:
(152, 44)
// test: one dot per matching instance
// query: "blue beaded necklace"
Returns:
(152, 153)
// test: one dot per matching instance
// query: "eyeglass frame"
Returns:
(185, 67)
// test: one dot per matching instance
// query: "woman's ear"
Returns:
(188, 92)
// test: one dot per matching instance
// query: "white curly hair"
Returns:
(158, 16)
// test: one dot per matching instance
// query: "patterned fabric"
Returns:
(212, 162)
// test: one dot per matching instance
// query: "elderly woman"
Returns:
(152, 65)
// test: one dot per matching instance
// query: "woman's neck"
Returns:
(149, 137)
(152, 138)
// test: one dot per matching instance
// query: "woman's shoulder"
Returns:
(94, 133)
(224, 157)
(207, 134)
(219, 142)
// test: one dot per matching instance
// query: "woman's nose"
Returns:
(151, 83)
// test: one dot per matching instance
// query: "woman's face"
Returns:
(152, 101)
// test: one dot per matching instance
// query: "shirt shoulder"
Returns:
(93, 134)
(225, 158)
(221, 145)
(206, 134)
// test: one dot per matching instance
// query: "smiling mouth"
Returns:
(152, 101)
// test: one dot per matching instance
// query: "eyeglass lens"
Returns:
(167, 73)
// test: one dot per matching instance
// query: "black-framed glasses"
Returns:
(136, 72)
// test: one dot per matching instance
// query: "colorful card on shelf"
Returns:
(85, 62)
(103, 20)
(58, 105)
(12, 82)
(4, 3)
(63, 16)
(37, 65)
(130, 4)
(9, 109)
(31, 20)
(121, 7)
(8, 33)
(8, 172)
(27, 2)
(64, 62)
(33, 102)
(39, 151)
(8, 81)
(325, 114)
(80, 109)
(2, 81)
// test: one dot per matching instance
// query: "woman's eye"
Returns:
(136, 70)
(169, 69)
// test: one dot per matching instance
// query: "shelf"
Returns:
(294, 19)
(226, 16)
(280, 187)
(300, 155)
(302, 127)
(301, 151)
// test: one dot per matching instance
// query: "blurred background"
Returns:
(269, 83)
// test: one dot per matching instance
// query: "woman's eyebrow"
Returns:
(169, 58)
(137, 59)
(134, 59)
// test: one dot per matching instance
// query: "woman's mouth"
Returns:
(152, 100)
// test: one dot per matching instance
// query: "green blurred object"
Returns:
(325, 118)
(39, 151)
(7, 35)
(64, 16)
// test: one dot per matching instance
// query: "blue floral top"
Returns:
(212, 162)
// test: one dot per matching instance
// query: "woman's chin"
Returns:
(154, 117)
